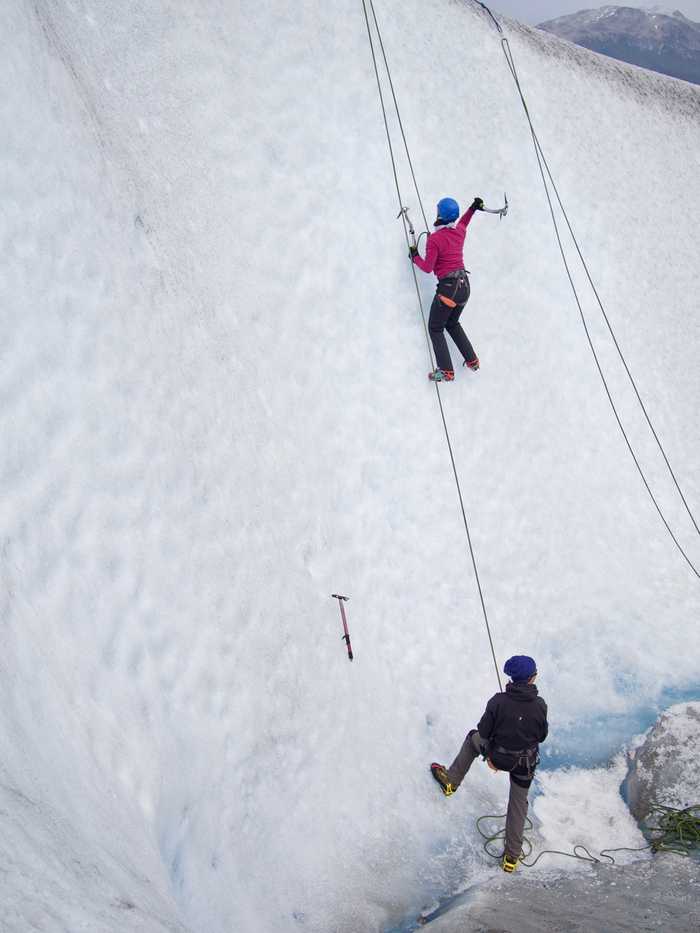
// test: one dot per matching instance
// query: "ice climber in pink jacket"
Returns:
(444, 257)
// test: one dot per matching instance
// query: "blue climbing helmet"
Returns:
(447, 210)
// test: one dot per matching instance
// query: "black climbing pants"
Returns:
(443, 318)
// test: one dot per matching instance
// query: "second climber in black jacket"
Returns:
(508, 737)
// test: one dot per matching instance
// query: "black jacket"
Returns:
(516, 719)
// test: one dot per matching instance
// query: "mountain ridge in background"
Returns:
(667, 42)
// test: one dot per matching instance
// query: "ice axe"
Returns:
(501, 211)
(346, 636)
(411, 232)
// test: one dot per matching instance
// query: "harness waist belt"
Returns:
(453, 275)
(515, 751)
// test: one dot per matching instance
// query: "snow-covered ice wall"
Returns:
(215, 412)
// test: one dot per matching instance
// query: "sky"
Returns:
(537, 11)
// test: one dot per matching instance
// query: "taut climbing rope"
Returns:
(544, 167)
(402, 214)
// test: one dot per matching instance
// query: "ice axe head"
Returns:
(504, 210)
(338, 596)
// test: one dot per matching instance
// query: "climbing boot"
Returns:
(441, 375)
(440, 775)
(509, 863)
(472, 364)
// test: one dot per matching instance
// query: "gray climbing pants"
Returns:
(517, 800)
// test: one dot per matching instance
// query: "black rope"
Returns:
(620, 353)
(396, 177)
(495, 21)
(420, 302)
(544, 165)
(398, 113)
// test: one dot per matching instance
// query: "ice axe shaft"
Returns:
(346, 636)
(404, 212)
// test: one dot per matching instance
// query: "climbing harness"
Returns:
(510, 760)
(346, 636)
(455, 284)
(544, 168)
(403, 213)
(524, 761)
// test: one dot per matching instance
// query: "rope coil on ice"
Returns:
(670, 830)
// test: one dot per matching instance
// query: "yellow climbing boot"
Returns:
(509, 863)
(440, 775)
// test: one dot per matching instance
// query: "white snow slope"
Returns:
(215, 413)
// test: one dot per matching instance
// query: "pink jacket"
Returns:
(444, 251)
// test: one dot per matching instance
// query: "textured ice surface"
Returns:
(215, 413)
(660, 894)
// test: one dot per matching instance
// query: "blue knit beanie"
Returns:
(520, 667)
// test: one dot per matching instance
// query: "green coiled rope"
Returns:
(670, 830)
(674, 830)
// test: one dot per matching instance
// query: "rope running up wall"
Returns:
(420, 302)
(544, 168)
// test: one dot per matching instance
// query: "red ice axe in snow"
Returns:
(346, 636)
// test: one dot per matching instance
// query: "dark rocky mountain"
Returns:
(665, 42)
